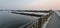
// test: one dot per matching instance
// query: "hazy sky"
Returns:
(37, 4)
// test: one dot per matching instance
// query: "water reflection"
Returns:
(10, 20)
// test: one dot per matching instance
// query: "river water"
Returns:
(10, 20)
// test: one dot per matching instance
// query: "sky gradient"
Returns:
(34, 4)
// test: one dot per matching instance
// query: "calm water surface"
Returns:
(10, 20)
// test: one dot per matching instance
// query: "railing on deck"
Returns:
(39, 22)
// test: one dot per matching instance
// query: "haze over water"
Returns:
(30, 4)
